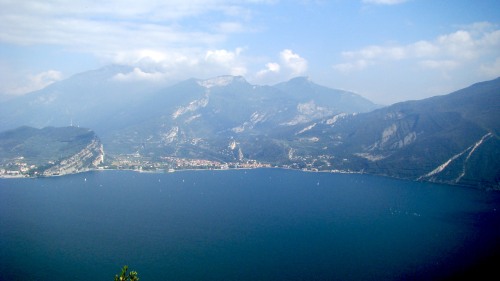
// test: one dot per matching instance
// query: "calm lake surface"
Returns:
(264, 224)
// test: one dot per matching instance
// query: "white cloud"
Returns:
(46, 78)
(155, 65)
(462, 48)
(138, 74)
(294, 62)
(228, 60)
(271, 67)
(270, 74)
(30, 83)
(459, 44)
(146, 35)
(152, 10)
(223, 57)
(379, 52)
(106, 28)
(359, 64)
(422, 49)
(230, 27)
(439, 64)
(155, 37)
(290, 65)
(492, 70)
(156, 59)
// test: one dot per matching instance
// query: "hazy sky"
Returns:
(385, 50)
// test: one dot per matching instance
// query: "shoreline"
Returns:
(21, 176)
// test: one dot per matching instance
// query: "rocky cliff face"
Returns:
(453, 138)
(50, 151)
(86, 159)
(450, 139)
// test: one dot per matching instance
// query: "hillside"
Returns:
(27, 151)
(97, 99)
(226, 121)
(450, 139)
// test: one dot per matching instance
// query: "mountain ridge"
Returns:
(449, 139)
(98, 92)
(412, 139)
(50, 151)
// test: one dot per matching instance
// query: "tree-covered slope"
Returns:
(452, 138)
(49, 151)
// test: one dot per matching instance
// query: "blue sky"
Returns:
(385, 50)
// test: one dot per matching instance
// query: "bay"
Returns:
(262, 224)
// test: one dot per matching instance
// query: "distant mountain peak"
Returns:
(220, 81)
(301, 79)
(106, 72)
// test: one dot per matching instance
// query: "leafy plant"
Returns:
(131, 276)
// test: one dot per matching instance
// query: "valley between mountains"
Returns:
(94, 121)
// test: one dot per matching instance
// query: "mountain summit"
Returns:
(299, 124)
(221, 81)
(96, 99)
(451, 139)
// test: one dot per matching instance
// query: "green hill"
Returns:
(28, 151)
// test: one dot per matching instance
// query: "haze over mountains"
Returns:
(450, 139)
(89, 98)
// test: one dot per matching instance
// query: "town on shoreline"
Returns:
(167, 164)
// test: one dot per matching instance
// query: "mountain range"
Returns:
(448, 139)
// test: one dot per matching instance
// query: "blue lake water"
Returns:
(264, 224)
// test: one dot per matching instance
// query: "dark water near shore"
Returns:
(265, 224)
